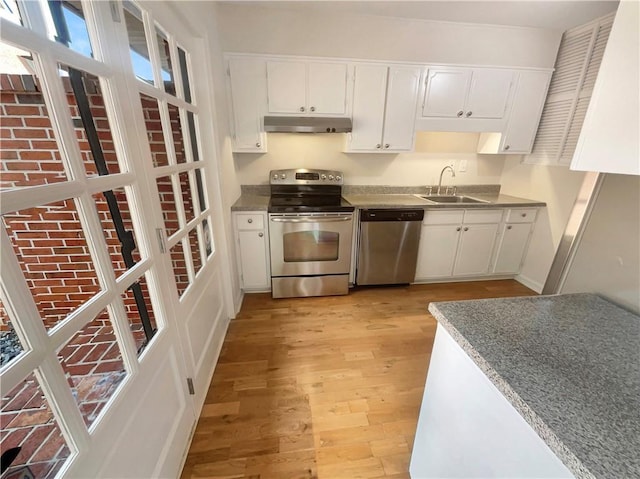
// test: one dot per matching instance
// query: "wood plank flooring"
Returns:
(323, 388)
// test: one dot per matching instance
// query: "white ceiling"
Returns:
(546, 14)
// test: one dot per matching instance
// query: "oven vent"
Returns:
(306, 124)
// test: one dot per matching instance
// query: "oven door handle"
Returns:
(312, 220)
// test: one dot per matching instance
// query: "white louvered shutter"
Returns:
(576, 68)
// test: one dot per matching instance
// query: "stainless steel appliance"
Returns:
(388, 245)
(310, 232)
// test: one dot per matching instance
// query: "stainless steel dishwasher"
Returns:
(388, 245)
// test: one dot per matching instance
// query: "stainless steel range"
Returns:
(310, 232)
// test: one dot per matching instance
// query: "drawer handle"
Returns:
(509, 227)
(466, 228)
(469, 113)
(458, 228)
(460, 113)
(249, 220)
(524, 215)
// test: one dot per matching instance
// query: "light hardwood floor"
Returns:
(323, 388)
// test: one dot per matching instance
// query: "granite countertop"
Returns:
(256, 197)
(569, 364)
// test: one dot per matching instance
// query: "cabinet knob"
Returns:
(378, 146)
(249, 220)
(524, 215)
(459, 114)
(258, 145)
(466, 228)
(506, 147)
(260, 235)
(458, 228)
(313, 108)
(301, 108)
(387, 145)
(469, 113)
(509, 227)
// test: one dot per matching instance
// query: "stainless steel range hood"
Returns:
(306, 124)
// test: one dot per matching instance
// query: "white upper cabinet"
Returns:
(610, 138)
(384, 108)
(466, 93)
(307, 88)
(522, 118)
(248, 99)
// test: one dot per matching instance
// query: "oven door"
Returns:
(304, 244)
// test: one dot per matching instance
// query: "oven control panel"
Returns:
(303, 176)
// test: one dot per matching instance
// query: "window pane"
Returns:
(194, 244)
(93, 364)
(70, 26)
(166, 70)
(10, 345)
(191, 125)
(54, 256)
(136, 314)
(138, 48)
(202, 202)
(117, 227)
(9, 10)
(29, 153)
(168, 204)
(179, 264)
(176, 131)
(184, 74)
(28, 424)
(186, 196)
(90, 120)
(155, 135)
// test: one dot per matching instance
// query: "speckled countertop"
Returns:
(256, 197)
(570, 365)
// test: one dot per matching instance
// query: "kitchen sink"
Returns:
(455, 199)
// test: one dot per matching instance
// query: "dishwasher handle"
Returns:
(391, 214)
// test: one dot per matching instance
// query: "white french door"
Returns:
(112, 309)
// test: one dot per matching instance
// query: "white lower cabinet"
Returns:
(252, 239)
(455, 244)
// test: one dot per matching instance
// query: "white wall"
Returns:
(607, 261)
(422, 167)
(558, 187)
(252, 29)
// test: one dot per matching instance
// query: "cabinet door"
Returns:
(488, 93)
(248, 101)
(437, 251)
(400, 114)
(254, 259)
(369, 93)
(286, 87)
(475, 250)
(327, 94)
(445, 92)
(526, 109)
(511, 248)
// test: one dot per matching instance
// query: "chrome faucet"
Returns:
(453, 175)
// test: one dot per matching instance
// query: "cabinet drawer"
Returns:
(249, 221)
(447, 217)
(522, 215)
(482, 216)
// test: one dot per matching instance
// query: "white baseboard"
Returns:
(529, 283)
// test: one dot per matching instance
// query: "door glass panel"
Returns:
(184, 74)
(194, 244)
(54, 256)
(93, 364)
(176, 131)
(136, 314)
(208, 237)
(166, 70)
(138, 49)
(117, 227)
(186, 196)
(70, 27)
(311, 246)
(90, 120)
(168, 204)
(155, 135)
(29, 153)
(179, 264)
(10, 345)
(28, 424)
